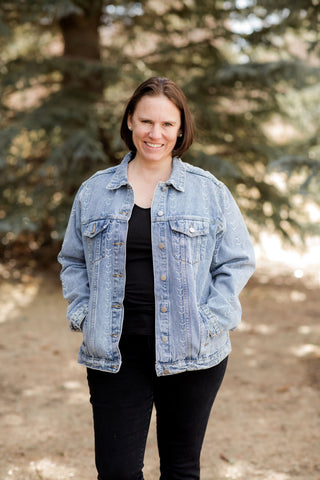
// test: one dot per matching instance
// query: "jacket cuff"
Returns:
(211, 321)
(77, 318)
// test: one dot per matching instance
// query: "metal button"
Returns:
(161, 245)
(163, 309)
(160, 213)
(163, 277)
(191, 230)
(164, 338)
(164, 189)
(166, 372)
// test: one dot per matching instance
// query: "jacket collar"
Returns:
(177, 177)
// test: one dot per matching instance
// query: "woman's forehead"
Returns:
(156, 106)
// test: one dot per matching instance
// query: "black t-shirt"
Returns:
(139, 290)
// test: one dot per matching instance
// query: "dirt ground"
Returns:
(266, 420)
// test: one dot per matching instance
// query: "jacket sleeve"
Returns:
(74, 277)
(232, 265)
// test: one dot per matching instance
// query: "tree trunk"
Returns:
(82, 46)
(81, 37)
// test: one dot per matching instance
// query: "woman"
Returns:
(154, 257)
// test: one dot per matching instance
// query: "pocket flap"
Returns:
(92, 229)
(192, 228)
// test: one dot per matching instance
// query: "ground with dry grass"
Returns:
(266, 419)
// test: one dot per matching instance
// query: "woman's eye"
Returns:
(168, 124)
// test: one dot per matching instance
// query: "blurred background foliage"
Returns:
(251, 72)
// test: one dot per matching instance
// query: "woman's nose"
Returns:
(155, 131)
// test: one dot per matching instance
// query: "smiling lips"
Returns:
(153, 145)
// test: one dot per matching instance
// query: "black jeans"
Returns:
(122, 405)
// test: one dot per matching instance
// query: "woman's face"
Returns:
(155, 126)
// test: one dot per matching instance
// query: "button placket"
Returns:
(162, 327)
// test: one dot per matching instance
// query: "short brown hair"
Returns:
(155, 86)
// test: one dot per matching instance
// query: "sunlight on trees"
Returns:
(251, 73)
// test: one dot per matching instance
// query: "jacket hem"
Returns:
(161, 368)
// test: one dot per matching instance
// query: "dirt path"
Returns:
(265, 423)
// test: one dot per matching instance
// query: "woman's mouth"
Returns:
(154, 145)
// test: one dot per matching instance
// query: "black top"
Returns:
(139, 290)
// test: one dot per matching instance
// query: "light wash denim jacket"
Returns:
(202, 258)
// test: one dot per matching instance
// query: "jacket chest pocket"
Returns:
(189, 239)
(96, 234)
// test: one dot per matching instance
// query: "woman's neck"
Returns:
(144, 179)
(151, 171)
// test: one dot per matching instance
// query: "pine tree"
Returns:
(250, 71)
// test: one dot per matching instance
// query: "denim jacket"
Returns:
(202, 258)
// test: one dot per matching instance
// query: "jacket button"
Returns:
(191, 230)
(166, 372)
(161, 246)
(163, 309)
(163, 278)
(164, 338)
(160, 213)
